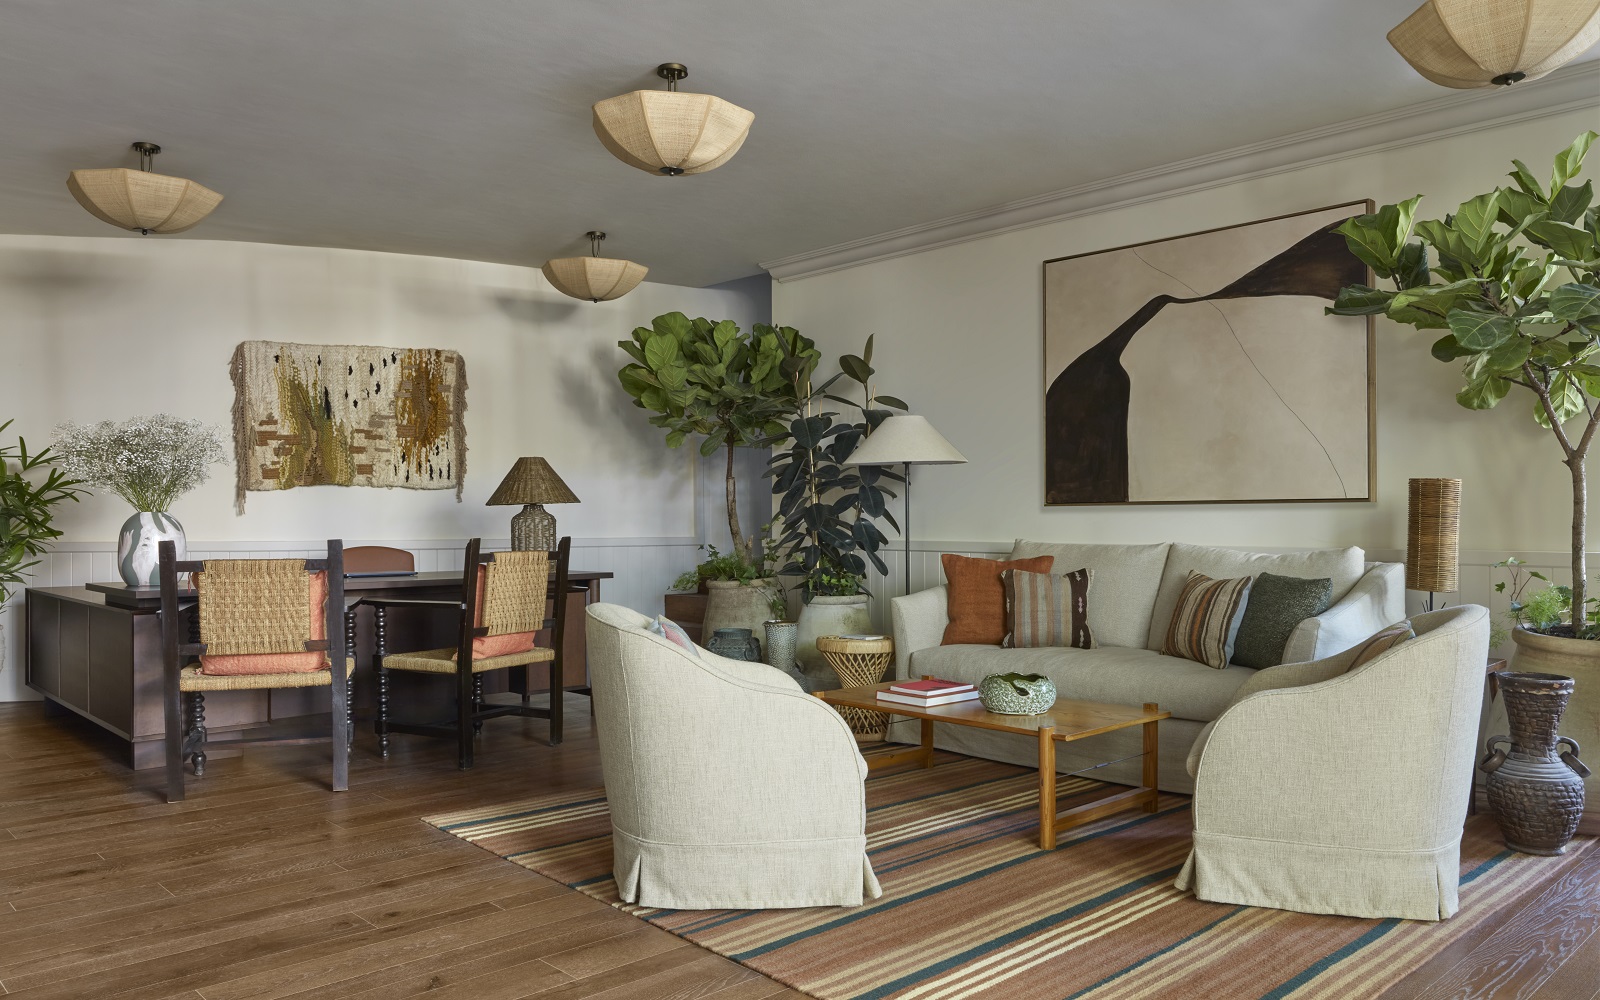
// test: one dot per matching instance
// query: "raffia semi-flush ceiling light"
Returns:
(141, 200)
(1489, 43)
(668, 133)
(596, 278)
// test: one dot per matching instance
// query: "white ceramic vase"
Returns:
(731, 604)
(827, 616)
(138, 546)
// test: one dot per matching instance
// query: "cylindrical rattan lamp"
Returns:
(1433, 536)
(532, 483)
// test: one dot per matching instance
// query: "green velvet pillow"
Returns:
(1277, 605)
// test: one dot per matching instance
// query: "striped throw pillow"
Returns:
(1047, 609)
(1381, 642)
(1206, 621)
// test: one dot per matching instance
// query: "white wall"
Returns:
(92, 329)
(959, 332)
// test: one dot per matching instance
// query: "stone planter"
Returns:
(827, 616)
(1580, 660)
(138, 547)
(731, 604)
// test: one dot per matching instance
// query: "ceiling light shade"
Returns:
(140, 200)
(596, 278)
(1487, 43)
(668, 133)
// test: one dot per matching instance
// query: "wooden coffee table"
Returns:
(1067, 720)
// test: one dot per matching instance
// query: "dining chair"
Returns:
(504, 599)
(378, 559)
(262, 624)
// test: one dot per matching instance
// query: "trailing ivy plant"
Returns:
(1518, 294)
(27, 509)
(828, 511)
(709, 379)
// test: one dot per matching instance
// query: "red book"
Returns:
(929, 688)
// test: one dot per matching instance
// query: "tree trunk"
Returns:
(733, 511)
(1580, 523)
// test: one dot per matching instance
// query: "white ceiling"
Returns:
(461, 128)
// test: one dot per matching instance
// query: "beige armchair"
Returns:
(729, 786)
(1327, 791)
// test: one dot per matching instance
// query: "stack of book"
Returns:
(927, 693)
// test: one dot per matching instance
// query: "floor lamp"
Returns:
(1433, 531)
(907, 441)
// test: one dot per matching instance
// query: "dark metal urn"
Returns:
(1536, 787)
(735, 644)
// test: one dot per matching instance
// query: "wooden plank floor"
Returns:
(263, 884)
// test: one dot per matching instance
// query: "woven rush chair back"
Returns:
(515, 584)
(248, 606)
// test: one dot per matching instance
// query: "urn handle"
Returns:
(1570, 757)
(1495, 758)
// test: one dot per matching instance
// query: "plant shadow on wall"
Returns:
(30, 492)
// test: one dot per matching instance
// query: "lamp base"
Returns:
(533, 529)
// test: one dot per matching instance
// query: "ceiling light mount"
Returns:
(596, 278)
(670, 132)
(142, 200)
(146, 151)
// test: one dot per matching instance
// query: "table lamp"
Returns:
(1433, 536)
(532, 483)
(906, 440)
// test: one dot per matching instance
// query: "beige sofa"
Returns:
(1130, 603)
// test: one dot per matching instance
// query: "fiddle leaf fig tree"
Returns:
(1512, 280)
(705, 378)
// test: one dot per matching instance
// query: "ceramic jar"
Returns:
(822, 616)
(1579, 659)
(138, 546)
(731, 604)
(1536, 787)
(1017, 694)
(735, 644)
(781, 637)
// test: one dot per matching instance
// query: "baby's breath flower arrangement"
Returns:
(148, 461)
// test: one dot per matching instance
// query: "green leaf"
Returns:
(1515, 206)
(1565, 398)
(1368, 241)
(713, 441)
(1570, 160)
(856, 368)
(1453, 247)
(1575, 301)
(1570, 202)
(1567, 240)
(675, 438)
(1359, 300)
(1476, 217)
(662, 350)
(893, 401)
(1411, 265)
(1526, 181)
(1446, 348)
(1480, 330)
(1509, 356)
(673, 324)
(1483, 393)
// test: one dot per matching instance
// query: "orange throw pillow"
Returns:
(486, 646)
(977, 599)
(240, 664)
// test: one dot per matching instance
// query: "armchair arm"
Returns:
(1377, 600)
(919, 622)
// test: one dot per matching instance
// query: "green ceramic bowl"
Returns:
(1017, 694)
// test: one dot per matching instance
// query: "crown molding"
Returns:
(1570, 88)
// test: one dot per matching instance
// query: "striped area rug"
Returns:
(973, 908)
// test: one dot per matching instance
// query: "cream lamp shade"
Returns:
(905, 440)
(670, 133)
(532, 484)
(596, 278)
(140, 200)
(1433, 535)
(1487, 43)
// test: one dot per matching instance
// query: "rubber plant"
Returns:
(27, 510)
(1512, 278)
(828, 511)
(732, 389)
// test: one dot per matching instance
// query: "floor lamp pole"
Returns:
(905, 534)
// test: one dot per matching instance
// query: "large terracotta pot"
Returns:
(1580, 660)
(731, 604)
(827, 616)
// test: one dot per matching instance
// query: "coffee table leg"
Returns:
(1152, 759)
(1047, 788)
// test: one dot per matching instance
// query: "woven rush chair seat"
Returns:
(191, 679)
(443, 661)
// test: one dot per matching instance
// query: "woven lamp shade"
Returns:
(531, 480)
(598, 279)
(1485, 43)
(1433, 535)
(670, 132)
(142, 201)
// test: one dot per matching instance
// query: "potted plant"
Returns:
(1518, 301)
(150, 462)
(733, 390)
(27, 510)
(829, 510)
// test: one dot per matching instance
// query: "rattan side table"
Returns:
(859, 663)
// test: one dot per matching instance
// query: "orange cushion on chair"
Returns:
(977, 598)
(485, 646)
(280, 663)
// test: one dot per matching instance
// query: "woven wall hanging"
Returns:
(336, 415)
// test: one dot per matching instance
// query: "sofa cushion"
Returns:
(1278, 604)
(1126, 580)
(977, 598)
(1113, 674)
(1206, 620)
(1047, 609)
(1343, 566)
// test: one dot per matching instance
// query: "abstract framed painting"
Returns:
(1202, 369)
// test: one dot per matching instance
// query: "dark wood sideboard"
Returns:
(96, 650)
